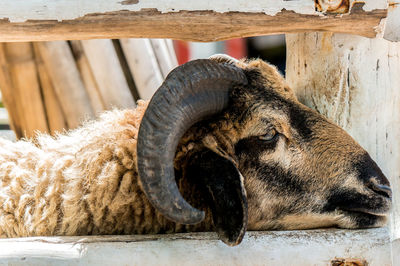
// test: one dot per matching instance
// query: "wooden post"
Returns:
(355, 82)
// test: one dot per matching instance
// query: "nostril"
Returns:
(381, 190)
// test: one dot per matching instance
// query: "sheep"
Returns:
(223, 145)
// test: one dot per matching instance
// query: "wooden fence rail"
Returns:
(200, 21)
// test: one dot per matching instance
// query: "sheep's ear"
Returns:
(223, 188)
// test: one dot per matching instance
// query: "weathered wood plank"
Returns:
(108, 73)
(355, 82)
(258, 248)
(8, 94)
(199, 21)
(67, 82)
(25, 89)
(54, 113)
(165, 56)
(87, 76)
(143, 66)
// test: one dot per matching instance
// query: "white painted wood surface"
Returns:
(149, 60)
(355, 82)
(313, 247)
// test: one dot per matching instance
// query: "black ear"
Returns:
(224, 191)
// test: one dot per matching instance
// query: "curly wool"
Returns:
(79, 183)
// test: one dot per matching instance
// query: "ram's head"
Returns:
(259, 158)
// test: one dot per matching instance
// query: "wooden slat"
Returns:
(67, 82)
(54, 112)
(143, 64)
(6, 86)
(87, 76)
(165, 56)
(108, 73)
(197, 21)
(26, 93)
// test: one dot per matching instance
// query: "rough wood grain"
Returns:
(87, 76)
(143, 64)
(355, 82)
(6, 86)
(67, 82)
(189, 25)
(54, 113)
(165, 56)
(25, 89)
(108, 73)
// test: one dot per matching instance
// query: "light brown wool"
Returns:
(43, 190)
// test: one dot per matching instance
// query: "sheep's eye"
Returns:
(270, 135)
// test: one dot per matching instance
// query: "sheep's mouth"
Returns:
(354, 203)
(376, 206)
(366, 218)
(381, 213)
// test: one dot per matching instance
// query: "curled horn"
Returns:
(190, 93)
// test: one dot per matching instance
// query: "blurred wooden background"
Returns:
(52, 86)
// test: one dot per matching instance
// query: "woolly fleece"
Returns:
(79, 183)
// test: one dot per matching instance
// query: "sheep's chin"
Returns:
(358, 220)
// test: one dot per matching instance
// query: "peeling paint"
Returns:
(129, 2)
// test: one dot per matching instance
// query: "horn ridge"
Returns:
(189, 93)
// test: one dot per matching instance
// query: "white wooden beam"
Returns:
(22, 20)
(310, 247)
